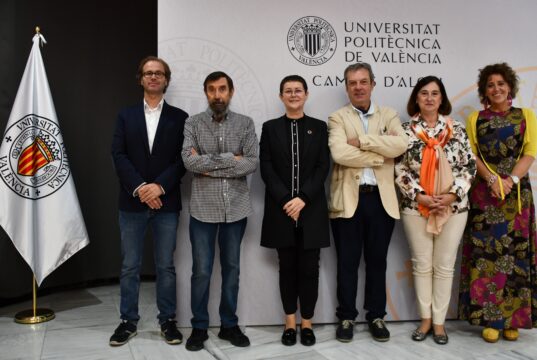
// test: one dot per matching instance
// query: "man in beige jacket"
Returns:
(364, 139)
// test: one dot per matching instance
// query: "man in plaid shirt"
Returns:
(220, 149)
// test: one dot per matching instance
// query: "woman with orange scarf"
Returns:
(434, 176)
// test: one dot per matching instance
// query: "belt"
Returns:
(365, 188)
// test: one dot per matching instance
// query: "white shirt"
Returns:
(152, 117)
(368, 176)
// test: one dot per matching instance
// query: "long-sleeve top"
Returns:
(458, 153)
(383, 141)
(220, 191)
(136, 163)
(295, 161)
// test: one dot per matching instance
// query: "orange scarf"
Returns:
(429, 163)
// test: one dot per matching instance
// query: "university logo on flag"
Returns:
(34, 163)
(39, 207)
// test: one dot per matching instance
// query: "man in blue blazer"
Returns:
(146, 150)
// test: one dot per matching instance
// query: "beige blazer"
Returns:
(384, 141)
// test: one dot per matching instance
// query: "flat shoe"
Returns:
(490, 335)
(289, 337)
(307, 337)
(441, 339)
(510, 334)
(418, 335)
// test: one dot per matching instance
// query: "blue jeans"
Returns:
(202, 238)
(133, 227)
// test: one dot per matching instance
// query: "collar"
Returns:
(369, 112)
(440, 124)
(159, 106)
(289, 119)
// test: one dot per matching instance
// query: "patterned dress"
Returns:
(498, 286)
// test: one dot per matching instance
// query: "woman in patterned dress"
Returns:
(434, 217)
(498, 287)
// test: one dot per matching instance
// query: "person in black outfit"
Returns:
(294, 165)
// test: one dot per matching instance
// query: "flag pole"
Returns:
(33, 126)
(34, 315)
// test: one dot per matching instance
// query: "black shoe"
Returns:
(307, 337)
(196, 339)
(234, 335)
(170, 333)
(378, 330)
(345, 330)
(289, 337)
(123, 333)
(441, 339)
(418, 335)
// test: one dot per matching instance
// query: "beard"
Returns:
(219, 107)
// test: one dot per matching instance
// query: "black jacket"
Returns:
(276, 170)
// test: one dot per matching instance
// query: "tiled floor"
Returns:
(85, 320)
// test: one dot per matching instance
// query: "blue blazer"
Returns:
(135, 164)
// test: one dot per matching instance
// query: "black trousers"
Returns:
(370, 229)
(299, 277)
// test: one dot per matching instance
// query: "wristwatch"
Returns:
(515, 179)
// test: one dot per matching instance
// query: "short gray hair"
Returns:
(359, 66)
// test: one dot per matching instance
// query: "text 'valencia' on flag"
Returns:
(39, 208)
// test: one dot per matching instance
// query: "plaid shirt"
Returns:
(220, 192)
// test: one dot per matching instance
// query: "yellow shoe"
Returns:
(490, 335)
(510, 334)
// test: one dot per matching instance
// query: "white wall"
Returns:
(248, 40)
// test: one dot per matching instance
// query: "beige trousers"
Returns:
(433, 261)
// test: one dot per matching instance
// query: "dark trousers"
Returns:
(299, 277)
(369, 228)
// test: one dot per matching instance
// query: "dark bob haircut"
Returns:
(167, 71)
(217, 75)
(502, 69)
(412, 107)
(291, 78)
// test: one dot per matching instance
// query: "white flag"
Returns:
(39, 207)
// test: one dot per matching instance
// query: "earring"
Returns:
(510, 99)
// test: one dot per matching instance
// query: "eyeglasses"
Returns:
(290, 92)
(150, 74)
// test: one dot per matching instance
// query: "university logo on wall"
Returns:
(312, 40)
(33, 163)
